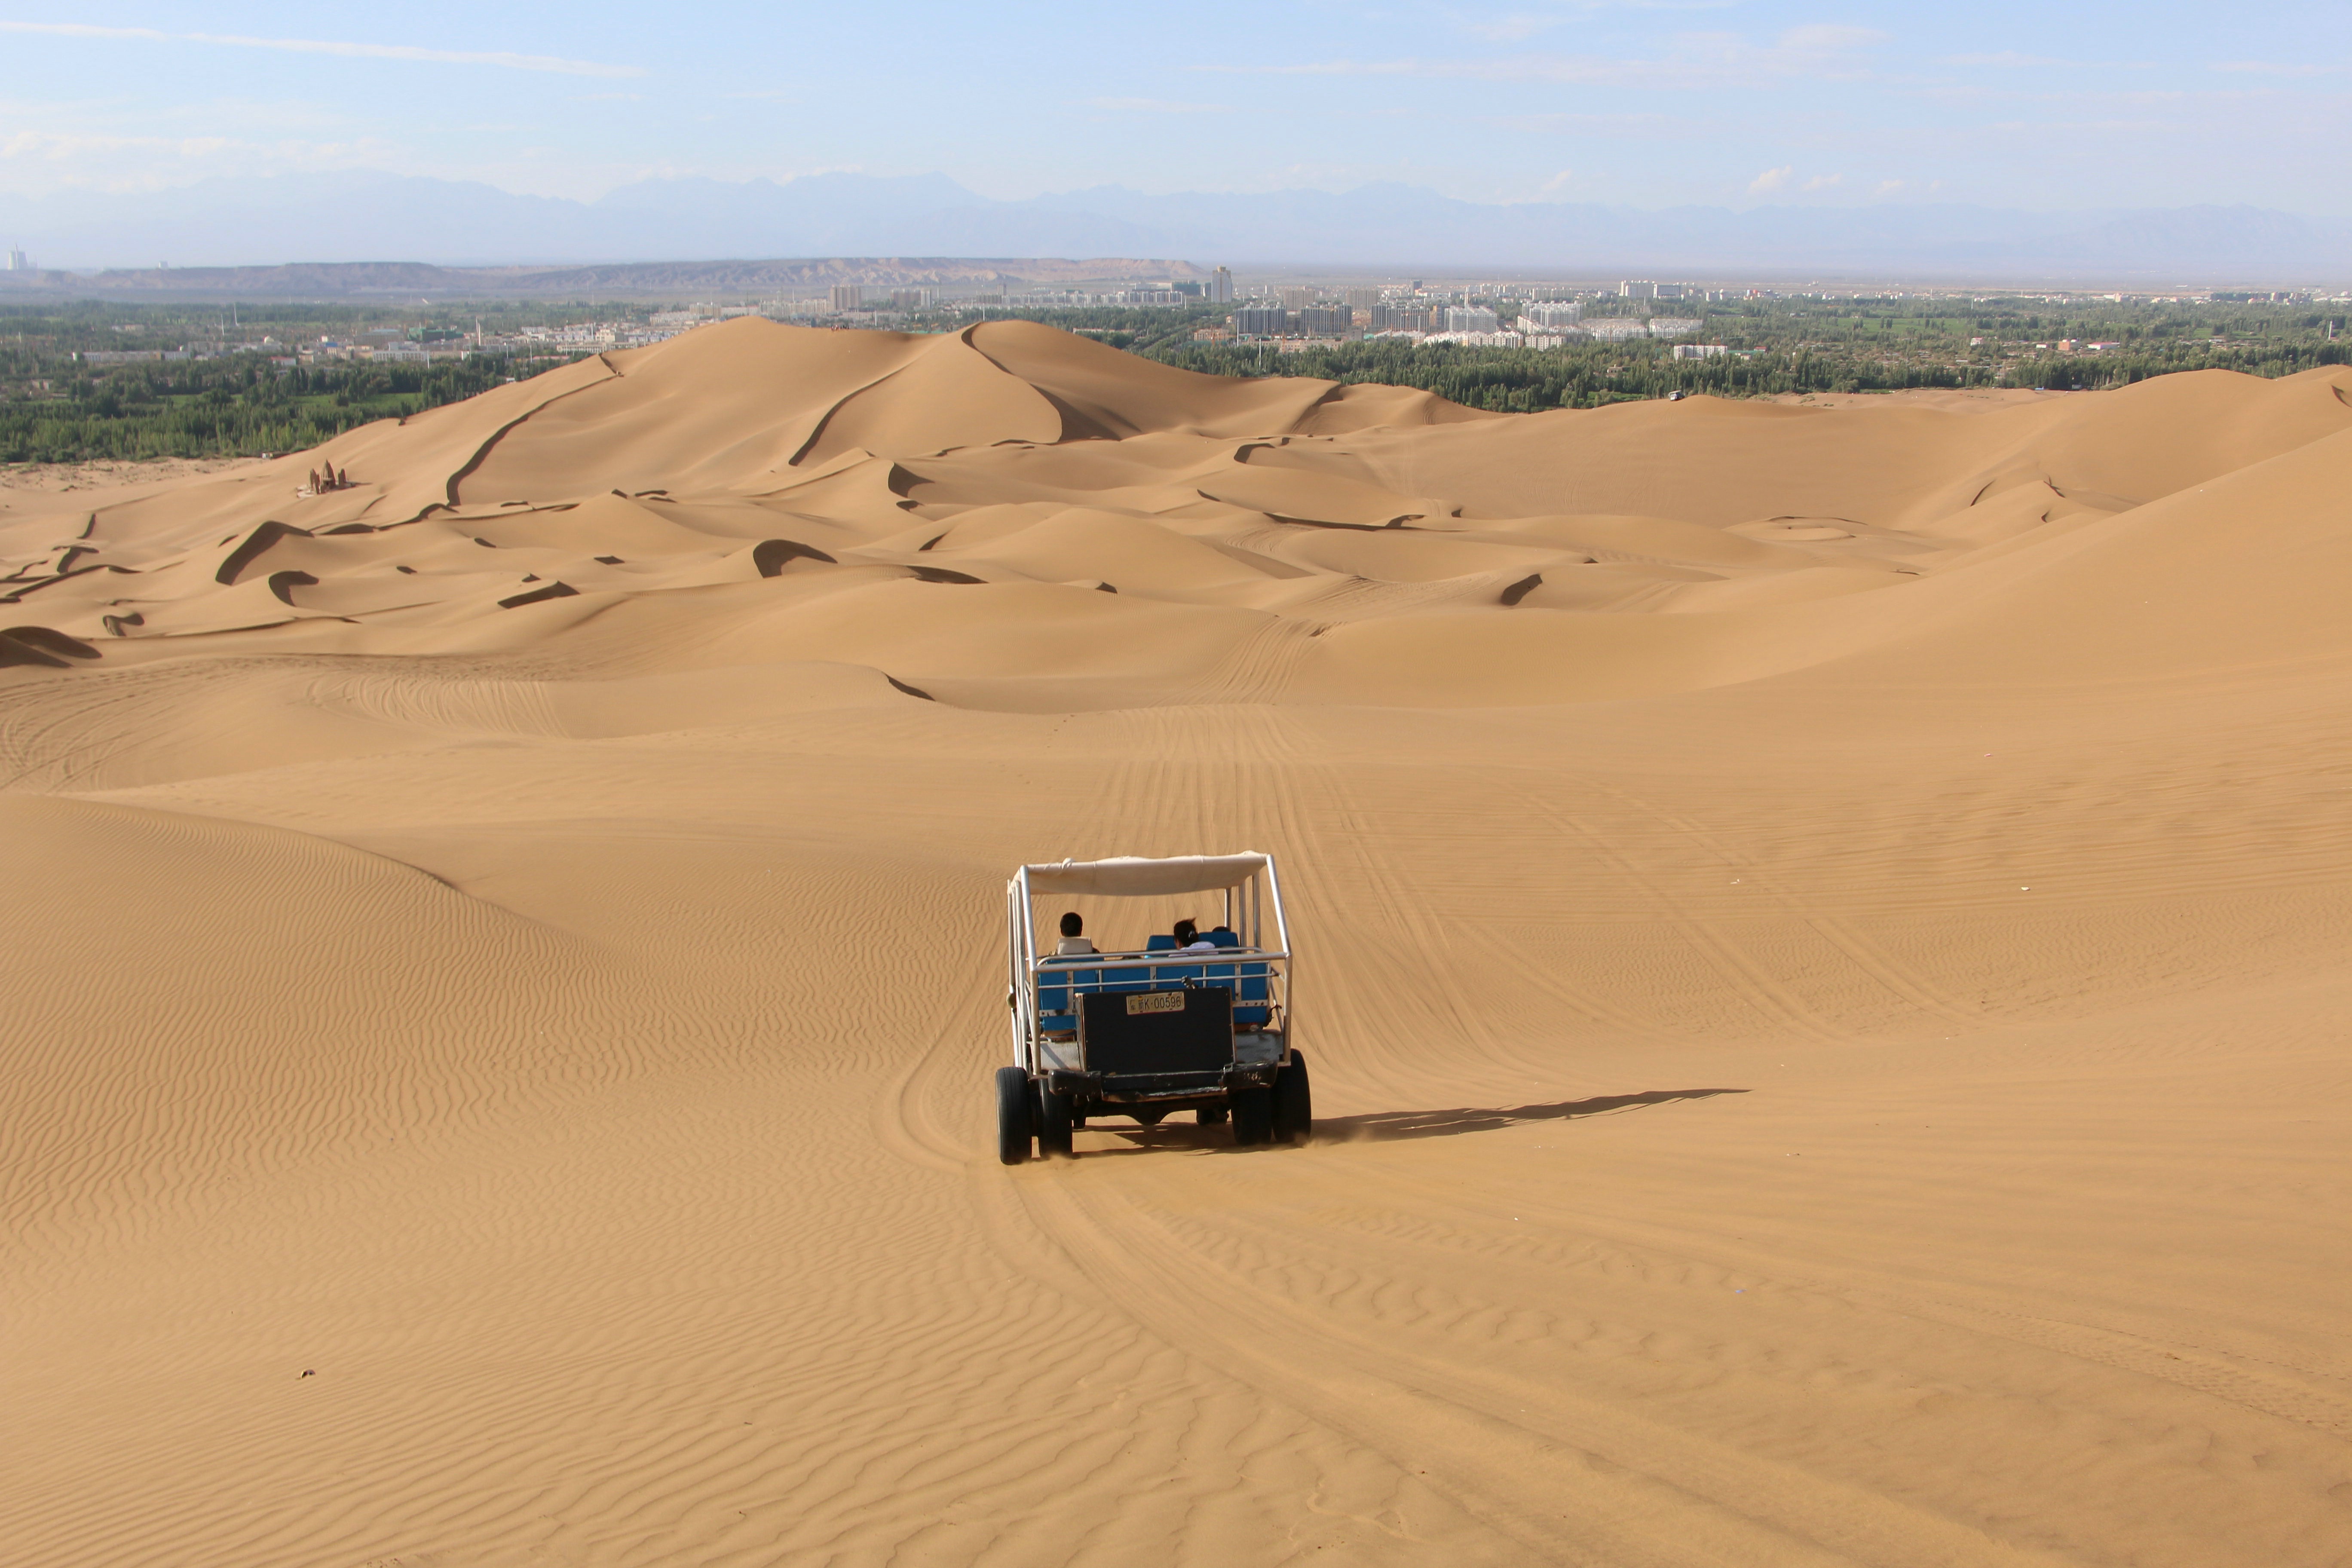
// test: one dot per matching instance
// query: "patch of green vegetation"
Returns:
(235, 400)
(1777, 347)
(56, 407)
(240, 405)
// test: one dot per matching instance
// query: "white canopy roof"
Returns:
(1133, 877)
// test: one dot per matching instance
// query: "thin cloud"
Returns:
(2006, 59)
(1155, 106)
(2010, 59)
(35, 161)
(547, 63)
(1695, 61)
(1512, 29)
(1561, 124)
(1772, 179)
(2269, 68)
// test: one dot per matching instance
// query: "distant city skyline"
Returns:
(1646, 103)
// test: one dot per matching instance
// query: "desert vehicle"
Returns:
(1150, 1032)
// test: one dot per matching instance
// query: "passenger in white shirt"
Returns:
(1190, 940)
(1074, 943)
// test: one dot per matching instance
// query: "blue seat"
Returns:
(1125, 980)
(1253, 991)
(1160, 943)
(1053, 989)
(1224, 938)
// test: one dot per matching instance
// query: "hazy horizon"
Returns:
(368, 216)
(1745, 104)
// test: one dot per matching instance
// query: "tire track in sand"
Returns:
(1628, 1491)
(1873, 961)
(1746, 976)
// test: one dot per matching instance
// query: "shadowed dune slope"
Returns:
(1820, 940)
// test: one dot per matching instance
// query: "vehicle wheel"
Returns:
(1214, 1115)
(1054, 1127)
(1253, 1116)
(1149, 1117)
(1294, 1102)
(1013, 1129)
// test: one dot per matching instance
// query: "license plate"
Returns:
(1155, 1001)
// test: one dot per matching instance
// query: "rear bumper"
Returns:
(1127, 1088)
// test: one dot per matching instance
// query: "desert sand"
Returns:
(1822, 941)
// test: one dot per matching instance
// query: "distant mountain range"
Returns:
(411, 280)
(1383, 227)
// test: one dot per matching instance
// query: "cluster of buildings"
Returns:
(1545, 324)
(1649, 288)
(854, 299)
(19, 261)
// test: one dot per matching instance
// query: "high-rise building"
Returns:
(1471, 318)
(1398, 319)
(1637, 288)
(1259, 321)
(848, 296)
(1363, 298)
(1296, 299)
(1326, 320)
(19, 261)
(1554, 313)
(1221, 286)
(911, 298)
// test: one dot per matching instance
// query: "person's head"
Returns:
(1187, 933)
(1072, 925)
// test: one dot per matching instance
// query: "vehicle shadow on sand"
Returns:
(1389, 1126)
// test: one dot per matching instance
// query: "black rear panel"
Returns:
(1157, 1031)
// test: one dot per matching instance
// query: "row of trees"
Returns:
(243, 404)
(1588, 375)
(237, 406)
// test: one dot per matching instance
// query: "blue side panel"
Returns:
(1253, 992)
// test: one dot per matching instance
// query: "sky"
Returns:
(1648, 103)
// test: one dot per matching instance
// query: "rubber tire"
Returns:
(1253, 1116)
(1013, 1129)
(1212, 1115)
(1294, 1102)
(1149, 1118)
(1056, 1124)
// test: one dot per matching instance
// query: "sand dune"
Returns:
(1822, 942)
